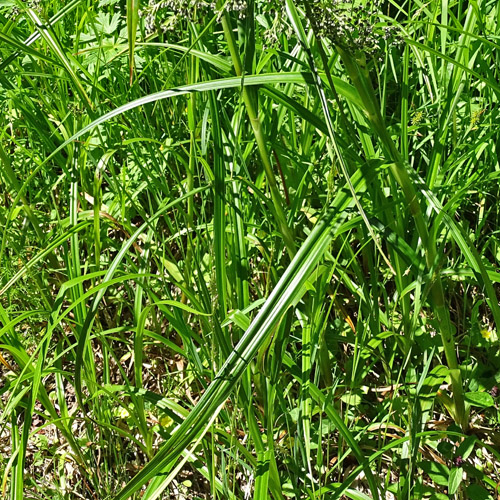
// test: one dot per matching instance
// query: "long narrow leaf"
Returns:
(283, 296)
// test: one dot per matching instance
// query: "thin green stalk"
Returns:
(10, 177)
(132, 20)
(260, 139)
(333, 148)
(362, 82)
(191, 108)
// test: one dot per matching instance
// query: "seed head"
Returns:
(351, 26)
(169, 13)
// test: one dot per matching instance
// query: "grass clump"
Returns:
(249, 249)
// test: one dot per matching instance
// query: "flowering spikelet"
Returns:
(417, 118)
(168, 13)
(352, 25)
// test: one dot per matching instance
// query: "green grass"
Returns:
(248, 255)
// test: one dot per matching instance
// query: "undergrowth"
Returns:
(250, 249)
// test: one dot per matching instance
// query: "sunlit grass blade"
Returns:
(249, 249)
(65, 10)
(283, 295)
(132, 20)
(51, 41)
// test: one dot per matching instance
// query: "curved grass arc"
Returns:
(357, 333)
(82, 340)
(225, 83)
(400, 172)
(281, 298)
(234, 82)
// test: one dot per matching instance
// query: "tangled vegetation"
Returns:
(250, 249)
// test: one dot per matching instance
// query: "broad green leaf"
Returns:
(480, 399)
(438, 472)
(466, 447)
(455, 479)
(477, 492)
